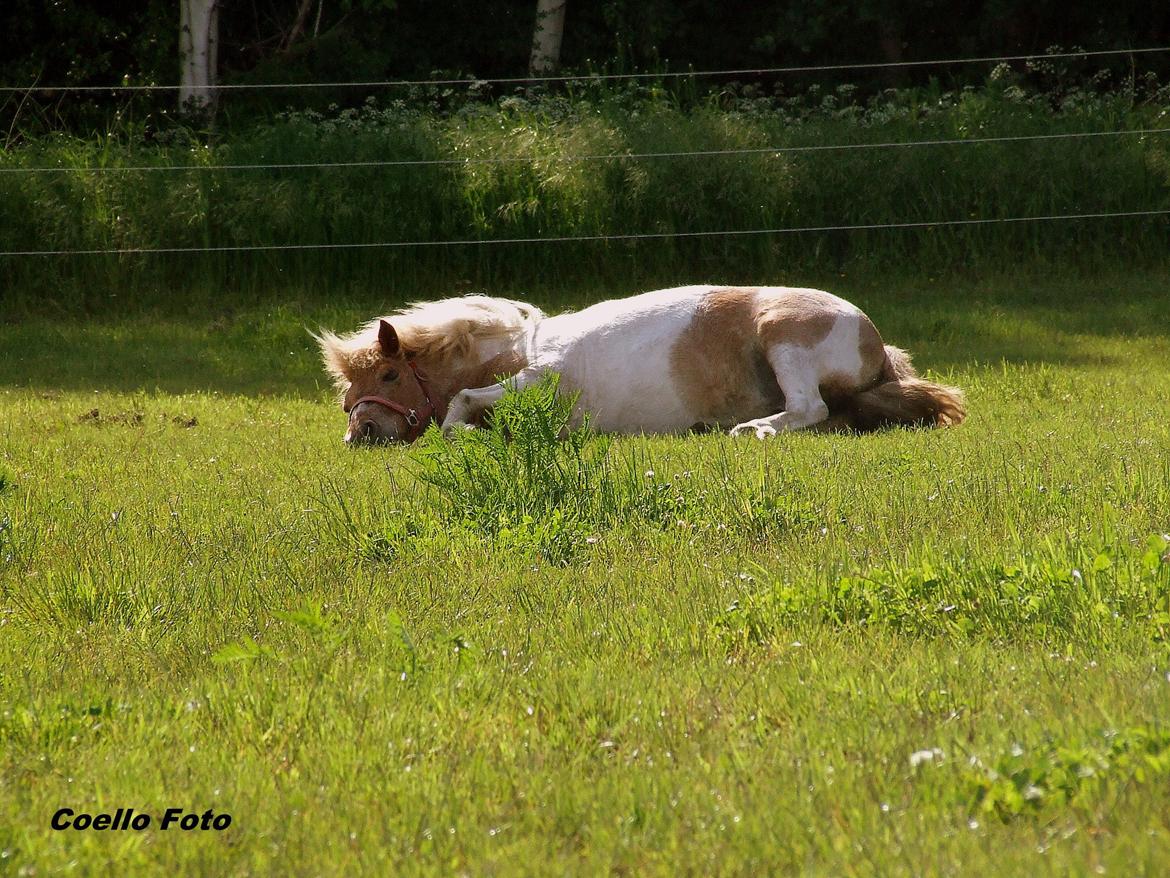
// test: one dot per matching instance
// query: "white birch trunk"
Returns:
(198, 54)
(547, 35)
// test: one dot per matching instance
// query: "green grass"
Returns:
(207, 602)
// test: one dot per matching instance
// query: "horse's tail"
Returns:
(900, 398)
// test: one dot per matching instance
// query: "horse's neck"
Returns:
(504, 364)
(487, 363)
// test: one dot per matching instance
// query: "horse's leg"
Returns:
(469, 405)
(799, 378)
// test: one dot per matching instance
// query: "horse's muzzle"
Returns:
(367, 432)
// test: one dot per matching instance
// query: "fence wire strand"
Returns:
(498, 160)
(563, 239)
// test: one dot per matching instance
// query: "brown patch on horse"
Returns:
(872, 349)
(718, 362)
(838, 386)
(797, 317)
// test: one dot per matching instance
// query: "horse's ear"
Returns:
(388, 339)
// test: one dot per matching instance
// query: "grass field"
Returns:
(905, 653)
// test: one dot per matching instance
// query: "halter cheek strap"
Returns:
(416, 419)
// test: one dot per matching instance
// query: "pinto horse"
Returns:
(755, 360)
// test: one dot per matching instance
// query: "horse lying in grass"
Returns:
(757, 360)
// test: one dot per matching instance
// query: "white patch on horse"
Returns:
(622, 371)
(839, 353)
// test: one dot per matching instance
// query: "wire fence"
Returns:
(598, 157)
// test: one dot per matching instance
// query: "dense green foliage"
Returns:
(913, 652)
(571, 167)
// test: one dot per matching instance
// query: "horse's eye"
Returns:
(392, 375)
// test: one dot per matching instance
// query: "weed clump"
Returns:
(536, 481)
(529, 480)
(528, 461)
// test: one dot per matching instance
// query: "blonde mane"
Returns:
(449, 329)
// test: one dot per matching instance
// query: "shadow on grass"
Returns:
(267, 350)
(163, 355)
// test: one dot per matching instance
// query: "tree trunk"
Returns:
(198, 54)
(891, 43)
(546, 37)
(298, 27)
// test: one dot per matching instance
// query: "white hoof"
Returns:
(761, 428)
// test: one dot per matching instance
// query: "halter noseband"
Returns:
(416, 420)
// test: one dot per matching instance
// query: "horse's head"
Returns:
(381, 389)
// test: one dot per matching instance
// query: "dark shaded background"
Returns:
(72, 42)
